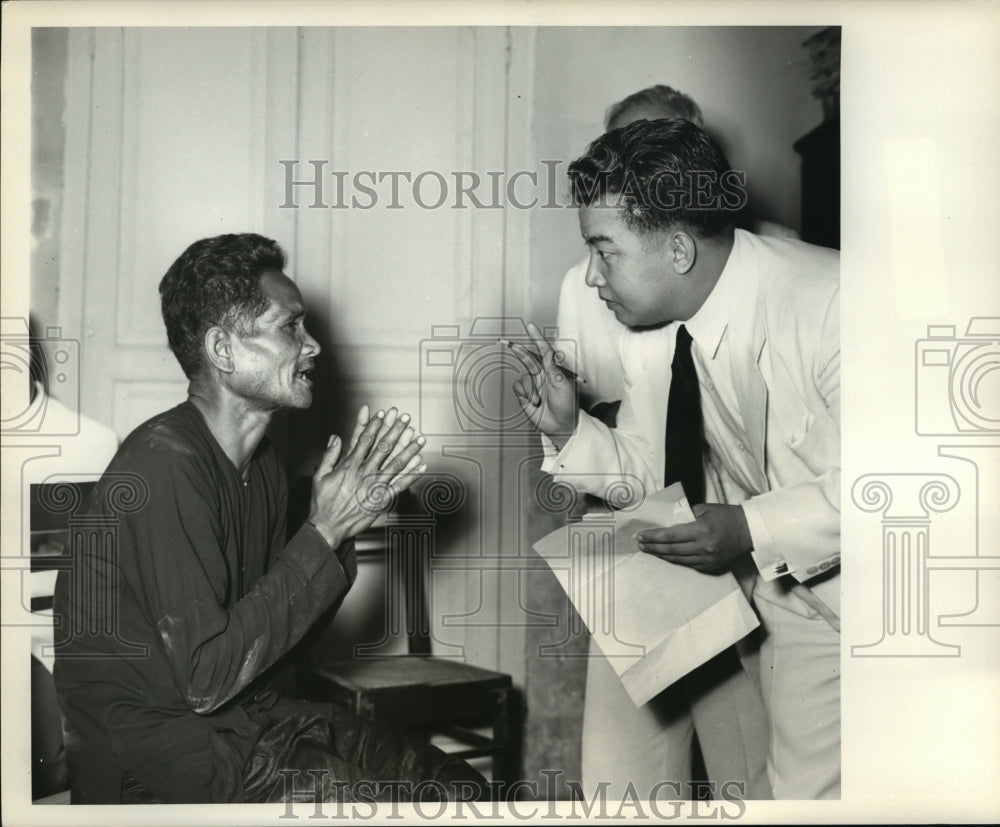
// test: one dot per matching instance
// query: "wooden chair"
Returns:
(52, 507)
(422, 693)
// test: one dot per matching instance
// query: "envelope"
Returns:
(655, 621)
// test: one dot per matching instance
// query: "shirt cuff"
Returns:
(549, 449)
(769, 563)
(555, 462)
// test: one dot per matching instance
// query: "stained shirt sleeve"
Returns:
(217, 645)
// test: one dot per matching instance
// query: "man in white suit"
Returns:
(620, 742)
(656, 202)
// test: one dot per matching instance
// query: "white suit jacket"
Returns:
(782, 338)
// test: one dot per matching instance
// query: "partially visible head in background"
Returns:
(38, 370)
(650, 104)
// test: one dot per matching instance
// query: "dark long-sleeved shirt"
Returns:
(163, 642)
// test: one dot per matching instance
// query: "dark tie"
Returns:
(685, 434)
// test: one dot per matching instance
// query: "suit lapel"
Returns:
(749, 336)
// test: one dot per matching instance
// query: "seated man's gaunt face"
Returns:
(273, 361)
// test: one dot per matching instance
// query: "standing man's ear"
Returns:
(683, 251)
(218, 348)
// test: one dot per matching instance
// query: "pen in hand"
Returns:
(573, 377)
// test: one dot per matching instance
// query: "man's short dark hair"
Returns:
(660, 96)
(216, 281)
(660, 174)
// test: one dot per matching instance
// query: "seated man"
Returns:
(166, 640)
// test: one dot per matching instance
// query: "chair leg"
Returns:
(505, 758)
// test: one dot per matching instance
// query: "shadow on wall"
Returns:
(301, 436)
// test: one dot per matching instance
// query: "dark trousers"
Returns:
(310, 752)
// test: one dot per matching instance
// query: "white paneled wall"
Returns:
(168, 136)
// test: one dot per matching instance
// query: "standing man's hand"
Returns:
(547, 394)
(712, 543)
(383, 459)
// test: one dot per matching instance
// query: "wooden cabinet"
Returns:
(820, 151)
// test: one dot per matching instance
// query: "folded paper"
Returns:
(655, 621)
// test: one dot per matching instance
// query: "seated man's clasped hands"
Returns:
(349, 492)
